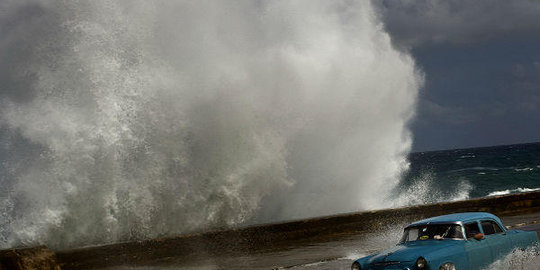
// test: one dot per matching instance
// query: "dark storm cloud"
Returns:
(482, 69)
(418, 22)
(480, 95)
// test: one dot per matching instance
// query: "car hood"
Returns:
(411, 251)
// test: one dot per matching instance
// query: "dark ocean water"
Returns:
(474, 172)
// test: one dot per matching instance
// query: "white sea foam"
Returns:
(512, 191)
(135, 119)
(523, 169)
(477, 169)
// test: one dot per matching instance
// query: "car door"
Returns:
(496, 239)
(478, 251)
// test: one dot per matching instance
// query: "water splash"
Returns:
(527, 259)
(425, 189)
(132, 119)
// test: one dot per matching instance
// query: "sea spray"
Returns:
(428, 188)
(525, 259)
(123, 120)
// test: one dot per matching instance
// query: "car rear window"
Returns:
(490, 227)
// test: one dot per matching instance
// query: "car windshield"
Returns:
(432, 231)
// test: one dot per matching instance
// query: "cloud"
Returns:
(416, 23)
(448, 114)
(524, 90)
(481, 66)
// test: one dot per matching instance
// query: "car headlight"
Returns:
(447, 266)
(421, 263)
(355, 266)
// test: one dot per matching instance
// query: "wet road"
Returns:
(338, 253)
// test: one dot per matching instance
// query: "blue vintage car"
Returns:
(458, 241)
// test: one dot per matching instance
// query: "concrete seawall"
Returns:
(253, 239)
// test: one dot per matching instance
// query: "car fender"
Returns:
(455, 254)
(364, 261)
(523, 239)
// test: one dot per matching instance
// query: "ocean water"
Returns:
(471, 173)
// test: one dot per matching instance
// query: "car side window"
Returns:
(487, 227)
(471, 229)
(490, 227)
(497, 228)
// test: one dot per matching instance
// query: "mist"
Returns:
(125, 120)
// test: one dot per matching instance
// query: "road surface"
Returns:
(337, 253)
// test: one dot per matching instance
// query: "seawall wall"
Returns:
(259, 238)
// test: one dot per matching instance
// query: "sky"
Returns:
(481, 62)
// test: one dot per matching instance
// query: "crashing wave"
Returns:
(137, 119)
(424, 190)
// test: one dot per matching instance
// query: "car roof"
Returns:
(457, 218)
